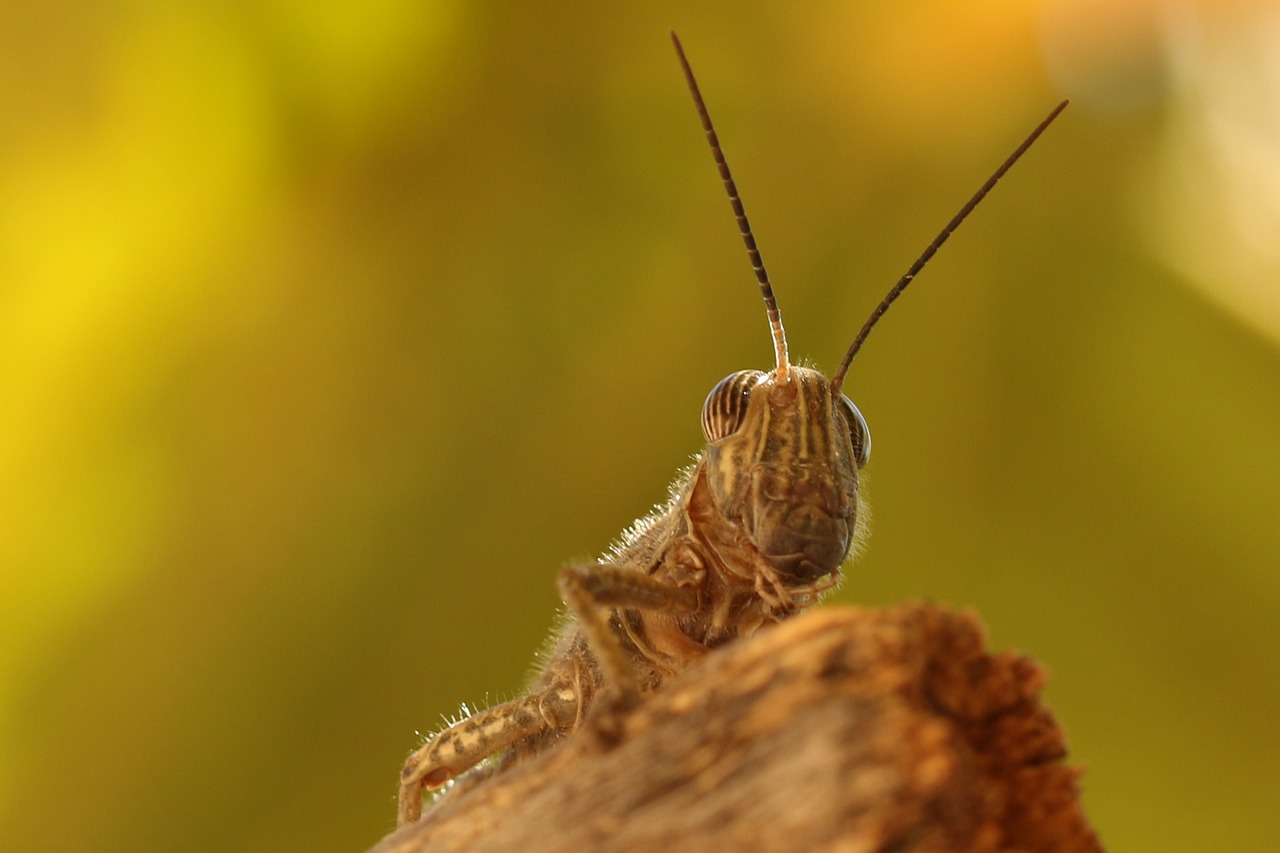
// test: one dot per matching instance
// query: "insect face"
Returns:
(782, 460)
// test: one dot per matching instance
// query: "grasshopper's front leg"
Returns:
(592, 592)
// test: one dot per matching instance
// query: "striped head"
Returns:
(783, 455)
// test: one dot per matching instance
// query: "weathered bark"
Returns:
(841, 729)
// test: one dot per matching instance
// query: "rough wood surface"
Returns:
(842, 729)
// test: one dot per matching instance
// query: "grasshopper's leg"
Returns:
(470, 741)
(592, 591)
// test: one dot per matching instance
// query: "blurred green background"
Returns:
(330, 331)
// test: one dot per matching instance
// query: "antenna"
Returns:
(838, 378)
(735, 201)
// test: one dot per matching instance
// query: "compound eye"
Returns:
(859, 435)
(726, 405)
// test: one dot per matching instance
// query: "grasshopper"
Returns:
(754, 532)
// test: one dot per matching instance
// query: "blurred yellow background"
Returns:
(330, 331)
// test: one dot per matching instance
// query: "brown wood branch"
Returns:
(841, 729)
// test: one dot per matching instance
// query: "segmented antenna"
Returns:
(838, 378)
(766, 289)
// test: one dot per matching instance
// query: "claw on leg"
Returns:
(416, 777)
